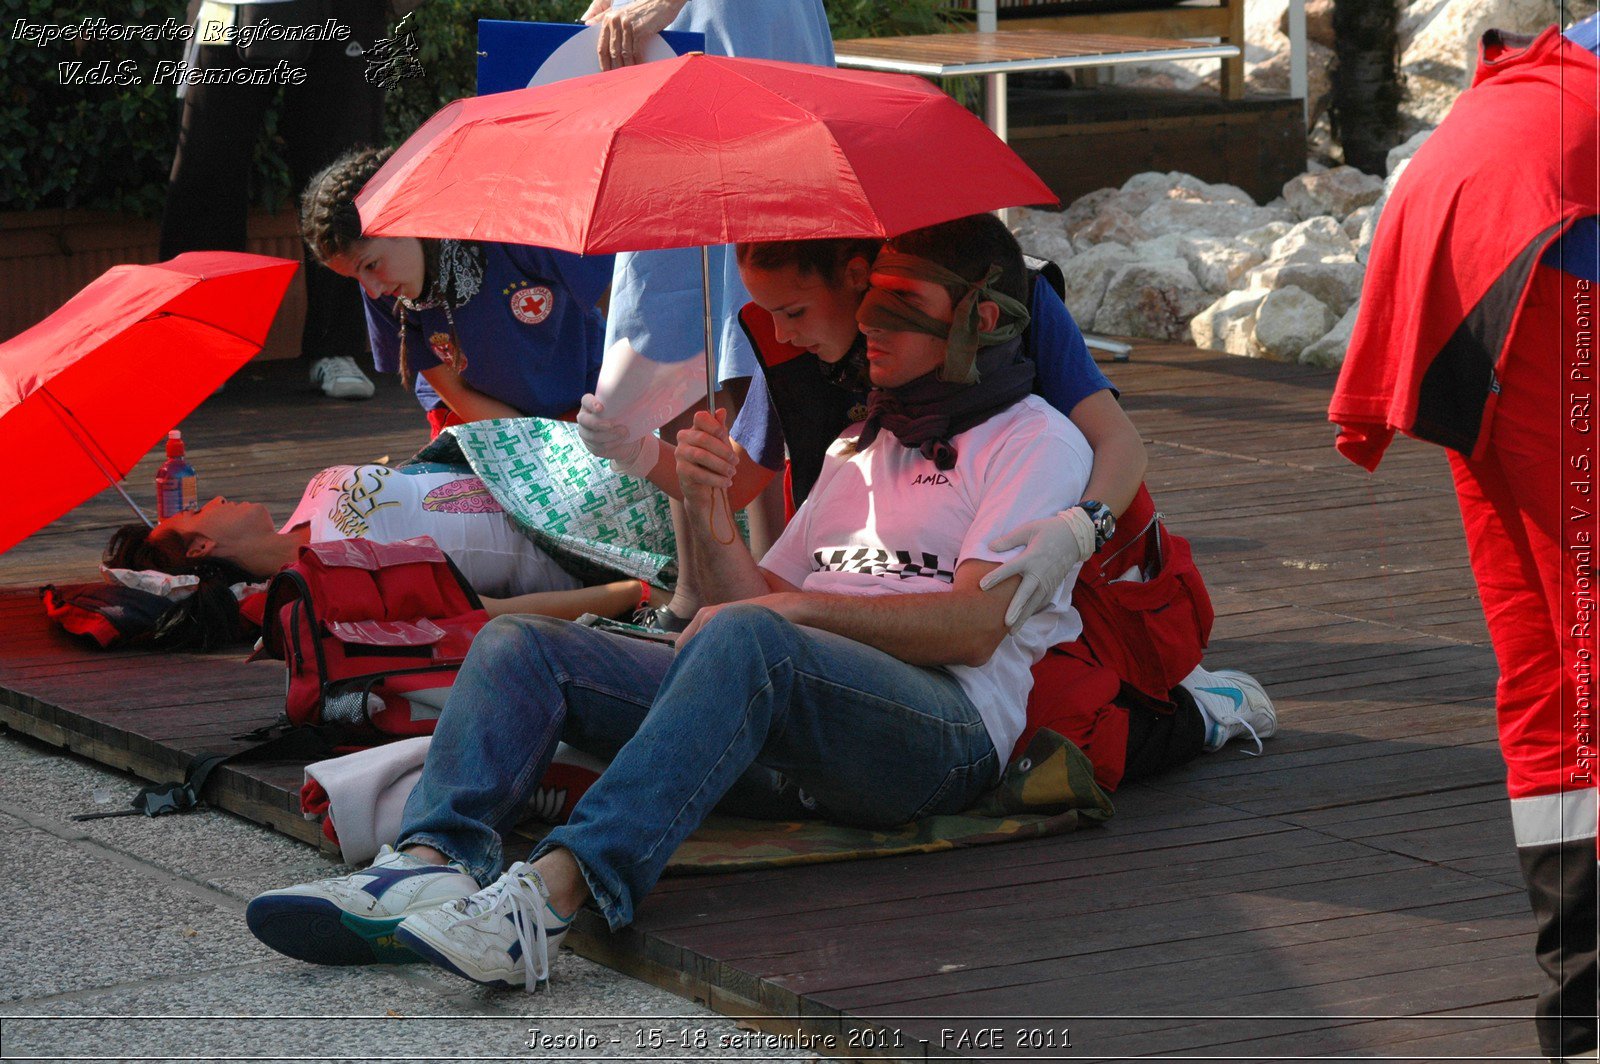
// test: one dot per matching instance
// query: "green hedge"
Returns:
(109, 147)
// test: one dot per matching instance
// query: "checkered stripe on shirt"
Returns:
(875, 561)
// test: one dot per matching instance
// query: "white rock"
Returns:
(1330, 350)
(1319, 22)
(1111, 225)
(1440, 56)
(1086, 277)
(1313, 240)
(1263, 237)
(1351, 226)
(1288, 321)
(1229, 323)
(1271, 75)
(1041, 234)
(1335, 284)
(1400, 153)
(1192, 218)
(1085, 207)
(1218, 263)
(1150, 298)
(1336, 192)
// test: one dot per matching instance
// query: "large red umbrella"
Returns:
(693, 151)
(94, 386)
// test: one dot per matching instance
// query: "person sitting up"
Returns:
(494, 330)
(227, 542)
(861, 662)
(802, 325)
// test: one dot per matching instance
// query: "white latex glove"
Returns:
(1053, 546)
(608, 439)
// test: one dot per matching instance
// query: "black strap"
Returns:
(289, 744)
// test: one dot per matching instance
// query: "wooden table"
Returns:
(999, 53)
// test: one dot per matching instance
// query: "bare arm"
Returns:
(705, 460)
(616, 599)
(963, 626)
(468, 403)
(1119, 455)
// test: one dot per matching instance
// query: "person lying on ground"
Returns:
(226, 542)
(861, 662)
(803, 328)
(495, 330)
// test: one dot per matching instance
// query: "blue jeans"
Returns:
(871, 740)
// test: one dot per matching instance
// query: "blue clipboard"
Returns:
(511, 54)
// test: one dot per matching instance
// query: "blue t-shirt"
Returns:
(531, 335)
(1065, 374)
(1578, 250)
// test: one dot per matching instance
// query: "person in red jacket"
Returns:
(1473, 334)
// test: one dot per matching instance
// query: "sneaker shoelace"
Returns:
(517, 893)
(1236, 716)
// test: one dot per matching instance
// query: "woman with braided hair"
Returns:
(494, 330)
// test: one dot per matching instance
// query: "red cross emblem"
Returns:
(532, 305)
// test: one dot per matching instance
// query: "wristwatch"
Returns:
(1104, 521)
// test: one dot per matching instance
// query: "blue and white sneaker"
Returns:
(505, 935)
(1233, 703)
(351, 919)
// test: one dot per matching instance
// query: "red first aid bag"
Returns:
(372, 635)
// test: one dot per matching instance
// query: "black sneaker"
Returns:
(660, 619)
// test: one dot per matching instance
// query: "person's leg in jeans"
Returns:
(528, 683)
(872, 740)
(494, 742)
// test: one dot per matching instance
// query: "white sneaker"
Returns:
(340, 378)
(351, 919)
(504, 935)
(1233, 703)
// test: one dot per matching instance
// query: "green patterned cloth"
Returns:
(594, 521)
(1047, 791)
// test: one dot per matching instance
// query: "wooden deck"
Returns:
(1354, 893)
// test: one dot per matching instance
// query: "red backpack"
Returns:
(372, 634)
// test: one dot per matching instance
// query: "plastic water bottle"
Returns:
(177, 488)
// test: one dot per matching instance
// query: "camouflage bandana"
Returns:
(888, 310)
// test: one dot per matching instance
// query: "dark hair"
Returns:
(329, 221)
(969, 246)
(811, 258)
(207, 619)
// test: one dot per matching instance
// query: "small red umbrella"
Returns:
(693, 151)
(98, 383)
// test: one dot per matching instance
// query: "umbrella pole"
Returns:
(711, 347)
(711, 391)
(74, 428)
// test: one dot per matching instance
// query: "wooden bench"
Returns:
(1223, 20)
(1000, 53)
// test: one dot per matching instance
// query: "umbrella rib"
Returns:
(81, 434)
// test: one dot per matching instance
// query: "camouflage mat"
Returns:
(1047, 791)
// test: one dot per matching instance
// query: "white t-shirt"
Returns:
(383, 504)
(888, 521)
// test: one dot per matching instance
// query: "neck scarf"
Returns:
(452, 275)
(887, 309)
(927, 412)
